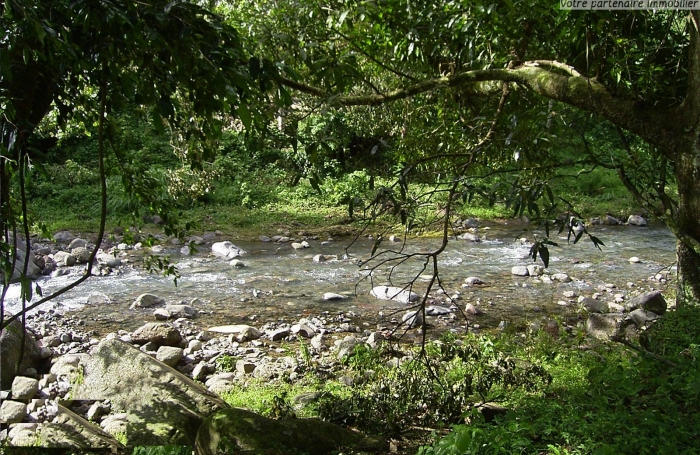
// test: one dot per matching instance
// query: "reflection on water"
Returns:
(279, 282)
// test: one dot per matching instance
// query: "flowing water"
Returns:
(280, 283)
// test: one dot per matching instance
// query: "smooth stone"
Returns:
(651, 301)
(237, 263)
(108, 260)
(147, 301)
(535, 270)
(12, 411)
(563, 277)
(181, 311)
(24, 388)
(642, 318)
(602, 326)
(169, 355)
(394, 293)
(634, 260)
(413, 319)
(435, 310)
(594, 306)
(519, 270)
(159, 333)
(227, 249)
(333, 296)
(471, 309)
(472, 280)
(636, 220)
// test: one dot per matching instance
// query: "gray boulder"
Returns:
(650, 301)
(394, 293)
(169, 355)
(413, 319)
(535, 270)
(241, 431)
(147, 301)
(108, 260)
(602, 326)
(81, 254)
(164, 407)
(181, 311)
(63, 236)
(158, 333)
(519, 270)
(64, 259)
(240, 332)
(24, 388)
(33, 270)
(642, 318)
(12, 411)
(10, 347)
(636, 220)
(594, 306)
(227, 249)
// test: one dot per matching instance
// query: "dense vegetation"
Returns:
(301, 113)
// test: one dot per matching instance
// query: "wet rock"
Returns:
(279, 334)
(469, 237)
(376, 339)
(535, 270)
(159, 333)
(324, 258)
(147, 301)
(636, 220)
(81, 254)
(562, 277)
(24, 388)
(519, 270)
(265, 239)
(161, 314)
(237, 263)
(611, 220)
(473, 281)
(650, 301)
(64, 259)
(108, 260)
(471, 309)
(227, 249)
(98, 299)
(394, 293)
(634, 260)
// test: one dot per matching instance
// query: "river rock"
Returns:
(413, 319)
(471, 309)
(10, 347)
(436, 310)
(651, 301)
(394, 293)
(181, 311)
(593, 305)
(64, 259)
(33, 271)
(163, 406)
(248, 432)
(237, 263)
(241, 332)
(333, 296)
(81, 254)
(98, 299)
(602, 326)
(642, 318)
(265, 239)
(24, 388)
(562, 277)
(535, 270)
(279, 334)
(469, 237)
(227, 249)
(12, 411)
(473, 281)
(611, 220)
(636, 220)
(634, 260)
(519, 270)
(108, 260)
(346, 347)
(147, 301)
(304, 330)
(245, 367)
(63, 236)
(159, 333)
(161, 314)
(169, 355)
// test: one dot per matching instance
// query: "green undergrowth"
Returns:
(556, 395)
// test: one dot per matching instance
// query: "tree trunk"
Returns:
(687, 170)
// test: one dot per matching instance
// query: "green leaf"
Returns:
(244, 115)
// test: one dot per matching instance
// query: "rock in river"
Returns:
(227, 249)
(394, 293)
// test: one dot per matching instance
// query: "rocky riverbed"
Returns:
(206, 343)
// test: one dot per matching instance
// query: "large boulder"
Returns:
(147, 301)
(650, 301)
(68, 430)
(394, 293)
(33, 271)
(163, 406)
(227, 249)
(636, 220)
(10, 347)
(236, 430)
(158, 333)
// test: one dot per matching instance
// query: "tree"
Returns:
(88, 58)
(638, 72)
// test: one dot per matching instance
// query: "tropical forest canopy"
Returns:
(474, 100)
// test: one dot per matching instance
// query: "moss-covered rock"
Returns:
(238, 431)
